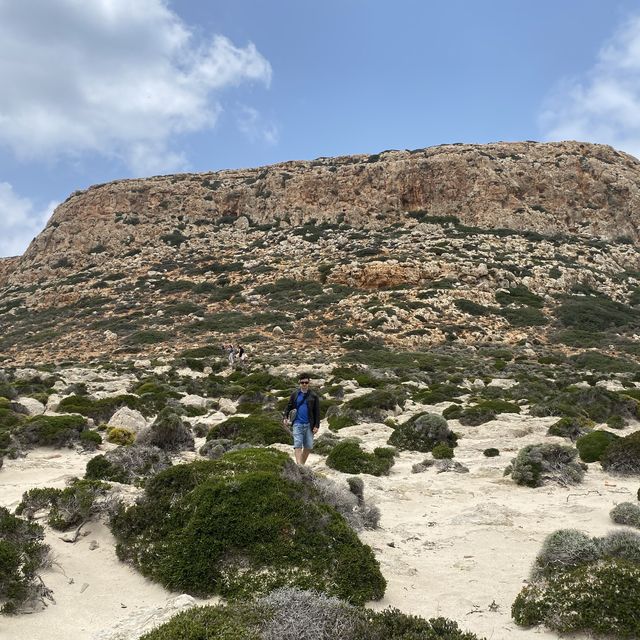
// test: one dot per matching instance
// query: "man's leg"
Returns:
(304, 455)
(299, 453)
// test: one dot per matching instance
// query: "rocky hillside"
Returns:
(504, 243)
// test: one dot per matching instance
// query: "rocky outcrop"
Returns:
(565, 187)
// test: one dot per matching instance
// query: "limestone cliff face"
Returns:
(565, 187)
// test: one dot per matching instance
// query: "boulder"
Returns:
(128, 419)
(193, 401)
(29, 406)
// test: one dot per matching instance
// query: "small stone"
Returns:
(93, 545)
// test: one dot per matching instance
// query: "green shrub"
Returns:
(520, 295)
(592, 445)
(100, 410)
(602, 598)
(595, 403)
(423, 432)
(259, 429)
(438, 393)
(337, 421)
(441, 452)
(348, 457)
(90, 439)
(626, 513)
(571, 427)
(616, 422)
(51, 431)
(276, 617)
(622, 456)
(524, 316)
(537, 463)
(121, 436)
(242, 525)
(484, 411)
(491, 452)
(168, 432)
(67, 507)
(374, 405)
(22, 555)
(594, 313)
(127, 465)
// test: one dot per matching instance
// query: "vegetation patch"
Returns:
(257, 429)
(100, 410)
(242, 525)
(348, 457)
(51, 431)
(592, 445)
(571, 427)
(22, 555)
(423, 432)
(127, 465)
(622, 456)
(325, 618)
(583, 584)
(537, 464)
(481, 412)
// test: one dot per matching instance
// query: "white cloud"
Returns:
(20, 220)
(604, 105)
(112, 77)
(255, 127)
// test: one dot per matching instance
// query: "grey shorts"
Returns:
(302, 436)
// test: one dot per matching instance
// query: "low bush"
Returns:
(127, 465)
(22, 555)
(595, 403)
(601, 598)
(579, 583)
(348, 457)
(100, 410)
(121, 436)
(441, 452)
(168, 432)
(375, 405)
(323, 444)
(622, 456)
(292, 614)
(67, 507)
(51, 431)
(491, 452)
(422, 433)
(237, 526)
(626, 513)
(438, 393)
(481, 412)
(536, 464)
(592, 445)
(571, 427)
(341, 421)
(90, 439)
(257, 429)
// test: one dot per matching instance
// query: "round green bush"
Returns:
(422, 432)
(337, 421)
(348, 457)
(491, 452)
(168, 432)
(592, 445)
(22, 555)
(259, 429)
(626, 513)
(484, 411)
(51, 431)
(537, 463)
(442, 451)
(243, 525)
(90, 439)
(602, 598)
(623, 455)
(127, 465)
(120, 435)
(571, 427)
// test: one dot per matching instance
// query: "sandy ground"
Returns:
(449, 544)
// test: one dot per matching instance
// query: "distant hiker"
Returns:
(231, 354)
(303, 413)
(241, 353)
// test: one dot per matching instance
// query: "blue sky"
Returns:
(107, 89)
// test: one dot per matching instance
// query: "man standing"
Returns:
(306, 420)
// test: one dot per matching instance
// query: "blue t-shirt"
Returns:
(302, 410)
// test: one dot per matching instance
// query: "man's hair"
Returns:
(304, 376)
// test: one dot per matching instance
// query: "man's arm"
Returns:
(288, 408)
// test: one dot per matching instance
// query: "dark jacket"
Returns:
(313, 405)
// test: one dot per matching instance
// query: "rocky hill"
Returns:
(506, 242)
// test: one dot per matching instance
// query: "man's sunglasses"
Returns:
(304, 382)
